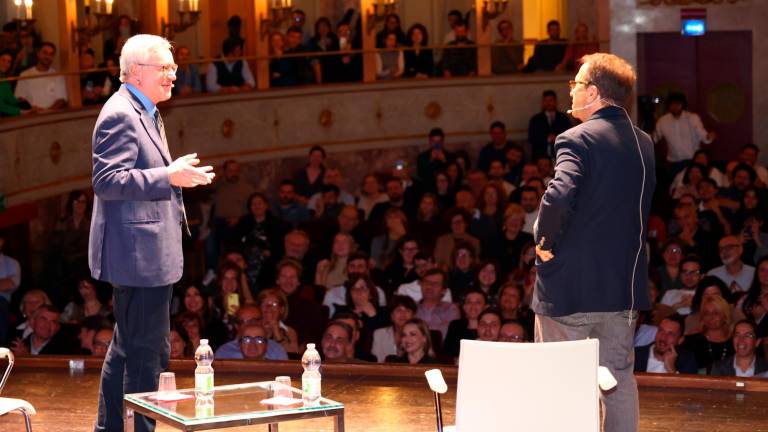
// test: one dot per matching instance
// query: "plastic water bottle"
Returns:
(204, 371)
(310, 379)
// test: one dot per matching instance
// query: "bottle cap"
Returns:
(203, 342)
(310, 346)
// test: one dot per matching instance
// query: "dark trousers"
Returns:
(139, 351)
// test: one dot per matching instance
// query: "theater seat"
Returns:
(9, 405)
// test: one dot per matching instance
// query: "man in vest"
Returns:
(230, 74)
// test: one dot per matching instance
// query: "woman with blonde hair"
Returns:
(274, 310)
(714, 342)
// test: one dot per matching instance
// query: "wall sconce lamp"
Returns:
(279, 12)
(492, 9)
(189, 15)
(381, 9)
(98, 17)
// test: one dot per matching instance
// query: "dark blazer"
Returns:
(725, 367)
(590, 218)
(539, 129)
(135, 235)
(685, 363)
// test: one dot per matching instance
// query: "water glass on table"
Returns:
(283, 387)
(167, 383)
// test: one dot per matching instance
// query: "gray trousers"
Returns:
(615, 331)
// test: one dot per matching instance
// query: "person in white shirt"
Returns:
(386, 340)
(664, 355)
(683, 131)
(43, 93)
(421, 263)
(529, 200)
(736, 275)
(690, 275)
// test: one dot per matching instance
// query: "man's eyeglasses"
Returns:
(165, 69)
(259, 340)
(573, 83)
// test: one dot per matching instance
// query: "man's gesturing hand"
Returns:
(184, 172)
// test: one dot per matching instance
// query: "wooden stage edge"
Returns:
(398, 371)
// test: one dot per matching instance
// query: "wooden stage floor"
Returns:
(382, 399)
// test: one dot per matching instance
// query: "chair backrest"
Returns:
(5, 352)
(528, 386)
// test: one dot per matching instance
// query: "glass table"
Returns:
(231, 406)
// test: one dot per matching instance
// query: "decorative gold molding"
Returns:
(683, 2)
(433, 110)
(326, 118)
(54, 151)
(227, 128)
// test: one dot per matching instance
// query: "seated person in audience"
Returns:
(288, 208)
(422, 263)
(466, 327)
(744, 362)
(736, 275)
(45, 337)
(362, 299)
(665, 355)
(111, 78)
(578, 48)
(462, 270)
(390, 63)
(296, 245)
(9, 105)
(458, 221)
(231, 74)
(187, 75)
(434, 159)
(690, 275)
(332, 271)
(357, 263)
(708, 286)
(548, 52)
(489, 325)
(329, 205)
(86, 303)
(326, 68)
(545, 126)
(714, 342)
(386, 340)
(529, 201)
(461, 58)
(395, 224)
(196, 301)
(755, 304)
(514, 239)
(181, 347)
(392, 25)
(350, 68)
(281, 72)
(331, 176)
(31, 300)
(308, 180)
(748, 155)
(401, 267)
(437, 313)
(743, 177)
(512, 331)
(195, 328)
(361, 339)
(43, 93)
(299, 70)
(419, 61)
(91, 83)
(755, 239)
(508, 56)
(496, 149)
(305, 314)
(337, 345)
(88, 328)
(488, 279)
(425, 225)
(371, 193)
(692, 176)
(515, 158)
(230, 296)
(101, 341)
(692, 237)
(416, 344)
(497, 174)
(347, 222)
(253, 342)
(249, 315)
(513, 307)
(454, 18)
(274, 310)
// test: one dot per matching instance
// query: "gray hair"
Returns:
(137, 49)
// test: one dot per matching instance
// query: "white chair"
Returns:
(9, 404)
(526, 386)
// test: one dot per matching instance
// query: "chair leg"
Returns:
(27, 421)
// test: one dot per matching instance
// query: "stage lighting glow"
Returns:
(694, 27)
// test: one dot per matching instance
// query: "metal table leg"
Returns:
(273, 427)
(338, 422)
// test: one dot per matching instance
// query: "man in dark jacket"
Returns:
(745, 363)
(545, 126)
(591, 230)
(664, 354)
(45, 337)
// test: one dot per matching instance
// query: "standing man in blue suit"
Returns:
(137, 223)
(591, 230)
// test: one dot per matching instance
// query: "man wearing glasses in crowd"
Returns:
(137, 223)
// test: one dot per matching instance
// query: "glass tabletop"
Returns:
(232, 403)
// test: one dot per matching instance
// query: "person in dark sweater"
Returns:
(230, 74)
(545, 126)
(416, 343)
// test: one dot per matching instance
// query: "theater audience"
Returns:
(253, 342)
(86, 303)
(548, 53)
(437, 313)
(390, 63)
(187, 75)
(507, 55)
(736, 275)
(465, 327)
(665, 355)
(337, 345)
(460, 59)
(419, 61)
(45, 337)
(416, 343)
(513, 331)
(249, 315)
(682, 297)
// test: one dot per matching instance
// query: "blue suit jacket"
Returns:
(591, 220)
(135, 235)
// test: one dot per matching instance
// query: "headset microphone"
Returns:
(585, 106)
